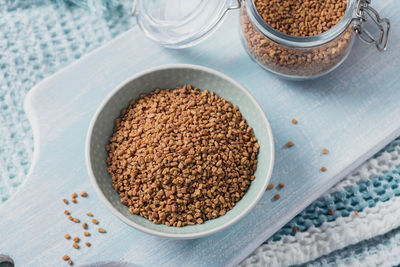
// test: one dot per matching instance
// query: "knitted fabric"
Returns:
(373, 190)
(383, 250)
(96, 6)
(39, 37)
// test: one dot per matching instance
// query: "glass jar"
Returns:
(182, 23)
(294, 57)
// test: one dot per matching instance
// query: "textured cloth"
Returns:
(366, 204)
(39, 37)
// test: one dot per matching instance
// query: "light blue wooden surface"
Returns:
(353, 112)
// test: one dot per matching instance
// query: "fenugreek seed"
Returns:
(86, 234)
(76, 220)
(70, 218)
(67, 236)
(281, 185)
(74, 195)
(289, 144)
(270, 186)
(74, 200)
(323, 169)
(85, 226)
(277, 196)
(88, 244)
(297, 18)
(70, 262)
(95, 221)
(75, 245)
(325, 151)
(185, 168)
(76, 239)
(65, 201)
(83, 194)
(101, 230)
(283, 15)
(330, 212)
(295, 229)
(65, 257)
(66, 212)
(89, 214)
(356, 213)
(294, 121)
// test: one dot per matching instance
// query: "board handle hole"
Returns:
(6, 261)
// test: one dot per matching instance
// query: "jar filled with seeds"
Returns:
(306, 39)
(293, 39)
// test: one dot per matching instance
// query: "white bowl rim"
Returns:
(177, 235)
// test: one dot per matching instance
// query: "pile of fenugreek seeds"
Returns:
(301, 18)
(297, 18)
(181, 157)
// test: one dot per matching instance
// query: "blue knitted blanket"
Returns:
(355, 223)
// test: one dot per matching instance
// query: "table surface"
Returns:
(353, 112)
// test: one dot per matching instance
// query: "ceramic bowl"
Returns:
(171, 76)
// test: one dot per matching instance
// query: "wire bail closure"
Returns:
(363, 12)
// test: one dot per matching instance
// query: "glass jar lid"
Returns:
(180, 23)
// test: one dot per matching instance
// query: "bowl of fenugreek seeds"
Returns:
(180, 151)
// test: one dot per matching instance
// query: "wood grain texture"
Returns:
(353, 112)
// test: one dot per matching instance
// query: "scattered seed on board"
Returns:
(74, 200)
(356, 213)
(76, 239)
(67, 236)
(295, 229)
(83, 194)
(281, 185)
(101, 230)
(88, 244)
(323, 169)
(325, 151)
(289, 144)
(70, 218)
(74, 195)
(66, 212)
(77, 220)
(65, 201)
(270, 186)
(75, 245)
(85, 226)
(86, 234)
(70, 262)
(330, 212)
(89, 214)
(95, 221)
(65, 257)
(277, 196)
(294, 121)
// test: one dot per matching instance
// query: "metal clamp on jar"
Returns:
(291, 57)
